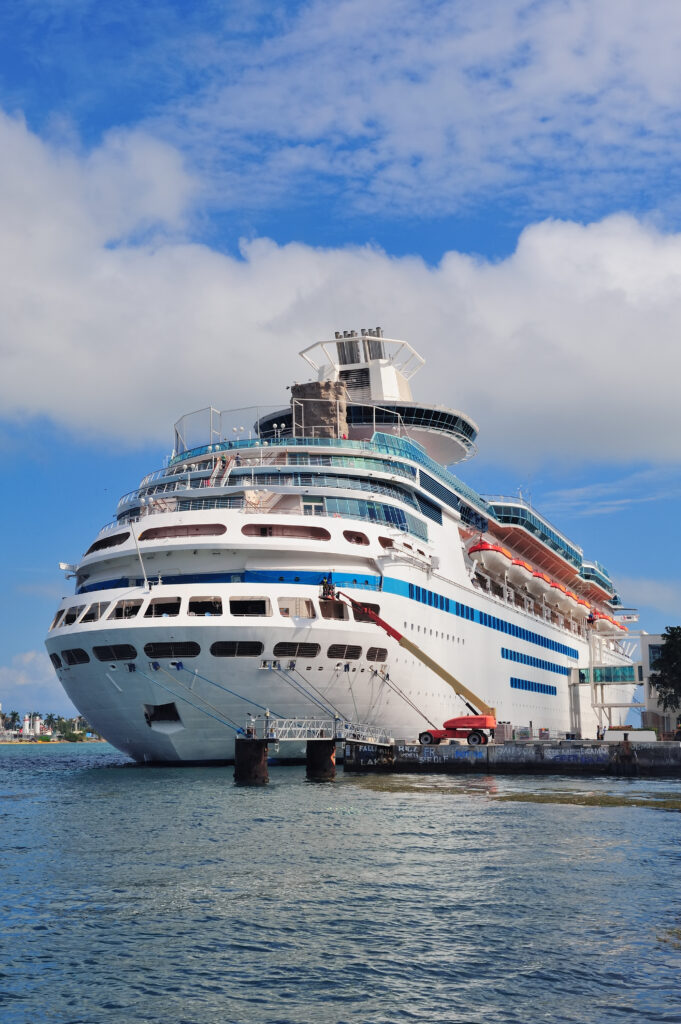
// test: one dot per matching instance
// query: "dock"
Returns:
(564, 757)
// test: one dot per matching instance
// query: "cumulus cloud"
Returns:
(29, 683)
(113, 325)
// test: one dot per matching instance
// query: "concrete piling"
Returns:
(250, 761)
(320, 760)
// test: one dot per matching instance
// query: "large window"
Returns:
(344, 652)
(172, 649)
(114, 652)
(654, 652)
(205, 606)
(251, 606)
(108, 542)
(296, 607)
(292, 650)
(162, 607)
(95, 611)
(75, 656)
(72, 614)
(126, 609)
(236, 649)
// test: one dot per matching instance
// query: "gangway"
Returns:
(267, 727)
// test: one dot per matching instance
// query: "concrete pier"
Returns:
(250, 761)
(568, 757)
(320, 760)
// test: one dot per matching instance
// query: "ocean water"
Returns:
(170, 895)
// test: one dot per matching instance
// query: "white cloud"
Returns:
(412, 106)
(29, 683)
(661, 595)
(653, 484)
(566, 349)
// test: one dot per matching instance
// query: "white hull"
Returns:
(113, 699)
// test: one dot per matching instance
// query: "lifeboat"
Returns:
(604, 623)
(520, 572)
(578, 607)
(539, 585)
(492, 556)
(558, 595)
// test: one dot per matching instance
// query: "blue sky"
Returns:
(189, 194)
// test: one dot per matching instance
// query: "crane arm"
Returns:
(473, 702)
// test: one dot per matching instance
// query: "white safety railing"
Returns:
(276, 729)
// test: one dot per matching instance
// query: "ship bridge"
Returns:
(376, 373)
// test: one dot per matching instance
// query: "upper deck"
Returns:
(373, 375)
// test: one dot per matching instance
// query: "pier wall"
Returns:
(569, 757)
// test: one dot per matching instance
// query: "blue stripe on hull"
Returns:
(388, 584)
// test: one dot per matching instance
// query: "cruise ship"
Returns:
(201, 606)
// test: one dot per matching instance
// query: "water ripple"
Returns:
(160, 895)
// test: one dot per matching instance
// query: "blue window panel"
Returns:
(533, 687)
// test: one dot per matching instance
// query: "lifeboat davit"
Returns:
(492, 556)
(520, 572)
(539, 585)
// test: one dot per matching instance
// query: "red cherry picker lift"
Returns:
(476, 728)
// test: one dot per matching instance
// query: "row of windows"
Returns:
(465, 611)
(376, 512)
(518, 515)
(211, 607)
(219, 649)
(323, 480)
(528, 659)
(527, 684)
(609, 674)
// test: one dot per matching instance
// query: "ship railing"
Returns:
(284, 729)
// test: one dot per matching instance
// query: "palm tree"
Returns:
(50, 721)
(12, 720)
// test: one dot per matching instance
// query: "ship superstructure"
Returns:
(200, 603)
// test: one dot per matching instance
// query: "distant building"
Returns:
(654, 717)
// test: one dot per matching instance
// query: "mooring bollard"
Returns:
(250, 761)
(320, 760)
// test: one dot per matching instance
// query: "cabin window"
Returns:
(385, 542)
(205, 606)
(344, 652)
(296, 608)
(377, 654)
(95, 611)
(108, 542)
(289, 650)
(173, 649)
(354, 537)
(285, 530)
(56, 660)
(114, 652)
(332, 609)
(236, 649)
(126, 609)
(75, 656)
(361, 616)
(162, 607)
(57, 619)
(196, 530)
(72, 614)
(252, 606)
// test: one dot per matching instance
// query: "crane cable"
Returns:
(247, 700)
(178, 696)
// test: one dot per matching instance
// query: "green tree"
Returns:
(667, 675)
(12, 720)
